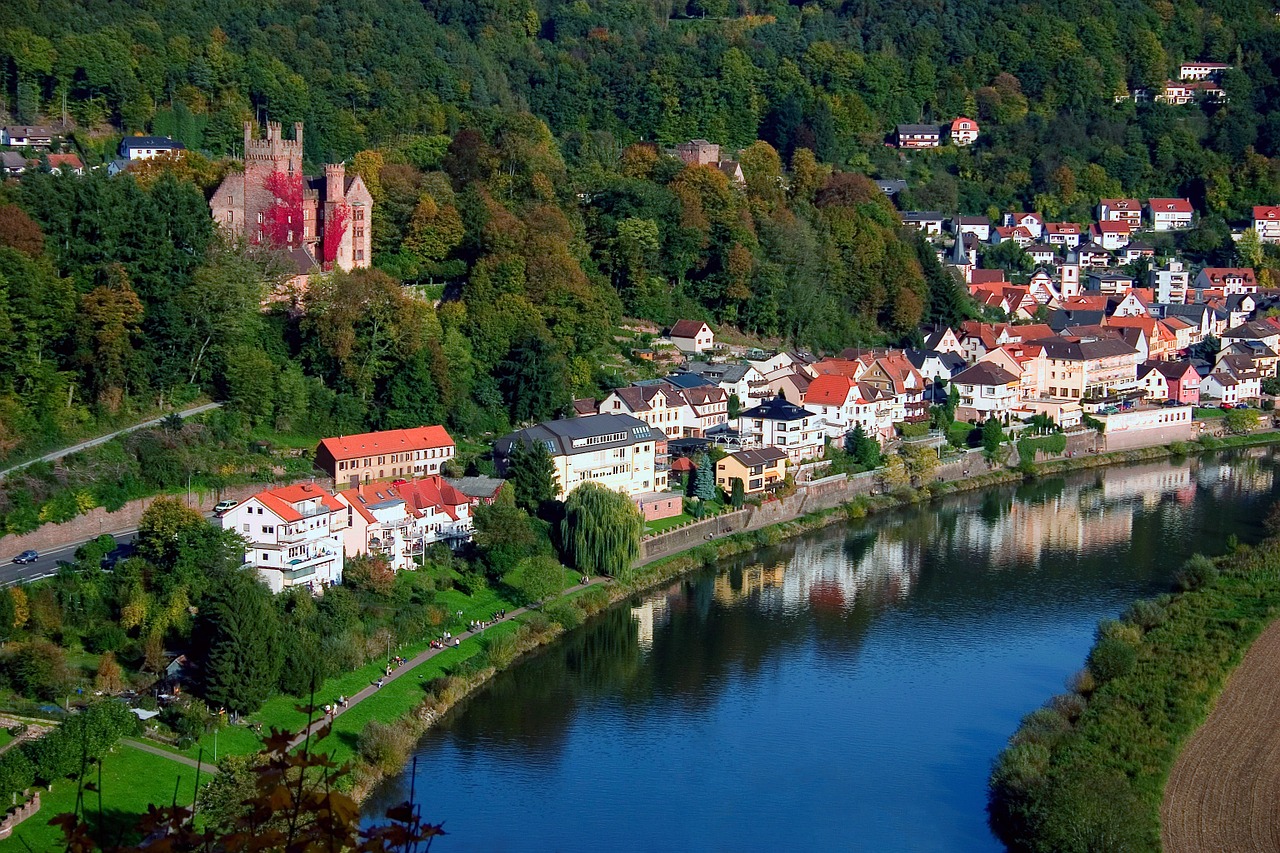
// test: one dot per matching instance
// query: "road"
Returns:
(13, 573)
(103, 439)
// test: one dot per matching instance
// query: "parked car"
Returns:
(27, 556)
(1227, 407)
(1171, 403)
(222, 506)
(399, 482)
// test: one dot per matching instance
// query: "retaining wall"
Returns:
(18, 815)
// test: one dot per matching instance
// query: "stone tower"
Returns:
(1070, 280)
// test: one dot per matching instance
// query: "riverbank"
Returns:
(1089, 769)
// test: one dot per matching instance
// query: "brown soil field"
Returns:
(1224, 790)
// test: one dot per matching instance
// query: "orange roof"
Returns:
(977, 277)
(431, 493)
(388, 441)
(281, 501)
(1085, 303)
(837, 366)
(1031, 332)
(829, 389)
(1146, 324)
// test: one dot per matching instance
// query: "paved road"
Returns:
(14, 573)
(103, 439)
(408, 667)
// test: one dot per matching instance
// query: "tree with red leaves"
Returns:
(282, 222)
(335, 226)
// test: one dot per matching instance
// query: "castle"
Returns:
(273, 202)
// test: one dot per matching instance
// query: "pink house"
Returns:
(1183, 381)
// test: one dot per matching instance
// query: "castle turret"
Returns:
(334, 182)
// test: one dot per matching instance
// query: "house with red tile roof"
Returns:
(692, 336)
(1120, 210)
(1266, 221)
(1110, 235)
(1230, 280)
(1170, 214)
(293, 535)
(393, 453)
(66, 164)
(963, 131)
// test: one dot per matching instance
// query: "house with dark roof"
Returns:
(617, 451)
(759, 470)
(148, 147)
(26, 136)
(793, 429)
(987, 391)
(692, 336)
(736, 378)
(912, 136)
(1079, 367)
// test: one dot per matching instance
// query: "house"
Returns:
(617, 451)
(931, 364)
(891, 186)
(1230, 280)
(963, 131)
(1169, 281)
(1017, 233)
(978, 226)
(1090, 255)
(943, 340)
(379, 455)
(26, 136)
(1110, 235)
(1120, 210)
(834, 398)
(1158, 344)
(1134, 252)
(910, 136)
(1204, 319)
(1181, 380)
(65, 164)
(793, 386)
(1033, 222)
(1109, 283)
(655, 506)
(1078, 368)
(1266, 221)
(794, 430)
(293, 535)
(1256, 330)
(927, 221)
(148, 147)
(895, 375)
(1239, 308)
(1041, 253)
(1042, 288)
(1232, 382)
(1263, 358)
(397, 523)
(479, 490)
(1169, 214)
(12, 163)
(736, 379)
(708, 408)
(986, 391)
(659, 405)
(758, 470)
(1201, 70)
(1063, 234)
(692, 336)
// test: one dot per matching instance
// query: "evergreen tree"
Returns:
(240, 654)
(532, 474)
(864, 449)
(600, 531)
(704, 478)
(532, 380)
(737, 493)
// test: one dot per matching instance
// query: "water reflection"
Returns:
(857, 681)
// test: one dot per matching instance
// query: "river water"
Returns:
(843, 691)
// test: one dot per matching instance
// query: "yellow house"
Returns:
(757, 469)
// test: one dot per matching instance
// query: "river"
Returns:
(847, 690)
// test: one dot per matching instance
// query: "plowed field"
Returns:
(1224, 790)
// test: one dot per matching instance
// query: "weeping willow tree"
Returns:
(600, 531)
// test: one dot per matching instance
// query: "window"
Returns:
(359, 254)
(267, 528)
(246, 528)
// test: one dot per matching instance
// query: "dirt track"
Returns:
(1224, 790)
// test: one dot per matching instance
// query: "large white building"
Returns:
(617, 451)
(399, 522)
(293, 535)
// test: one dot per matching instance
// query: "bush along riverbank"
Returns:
(383, 749)
(1087, 771)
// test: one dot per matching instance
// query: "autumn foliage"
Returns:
(282, 222)
(335, 227)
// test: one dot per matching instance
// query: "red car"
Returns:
(399, 482)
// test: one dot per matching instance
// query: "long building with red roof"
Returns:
(392, 453)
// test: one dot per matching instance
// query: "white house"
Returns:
(1231, 280)
(735, 379)
(1169, 214)
(1120, 210)
(617, 451)
(1170, 281)
(792, 429)
(148, 147)
(692, 336)
(1063, 234)
(26, 136)
(1110, 234)
(1266, 221)
(293, 535)
(927, 221)
(986, 391)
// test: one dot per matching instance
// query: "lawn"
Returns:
(667, 523)
(1208, 413)
(131, 780)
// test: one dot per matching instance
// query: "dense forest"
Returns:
(514, 152)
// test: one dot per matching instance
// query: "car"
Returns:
(399, 482)
(1227, 407)
(223, 506)
(1242, 405)
(27, 556)
(1171, 403)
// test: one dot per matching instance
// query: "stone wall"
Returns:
(18, 815)
(98, 521)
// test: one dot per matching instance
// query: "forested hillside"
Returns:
(502, 144)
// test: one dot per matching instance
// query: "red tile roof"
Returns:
(829, 389)
(388, 441)
(281, 501)
(1170, 205)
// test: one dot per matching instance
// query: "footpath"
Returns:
(407, 667)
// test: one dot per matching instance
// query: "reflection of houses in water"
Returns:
(1149, 483)
(1064, 523)
(732, 587)
(653, 612)
(825, 575)
(1244, 473)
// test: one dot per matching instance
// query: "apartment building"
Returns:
(293, 534)
(617, 451)
(393, 453)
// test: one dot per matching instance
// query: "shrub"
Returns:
(1196, 572)
(536, 623)
(1111, 658)
(384, 746)
(565, 614)
(1146, 614)
(501, 650)
(593, 600)
(106, 638)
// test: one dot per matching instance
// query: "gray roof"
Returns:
(776, 409)
(922, 216)
(951, 361)
(919, 128)
(476, 487)
(718, 373)
(687, 380)
(559, 436)
(164, 142)
(984, 373)
(763, 456)
(1061, 318)
(1081, 349)
(1255, 329)
(891, 186)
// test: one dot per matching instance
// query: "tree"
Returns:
(704, 478)
(506, 534)
(532, 474)
(737, 493)
(864, 449)
(538, 578)
(532, 380)
(239, 654)
(110, 677)
(161, 530)
(600, 531)
(1242, 421)
(993, 439)
(39, 670)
